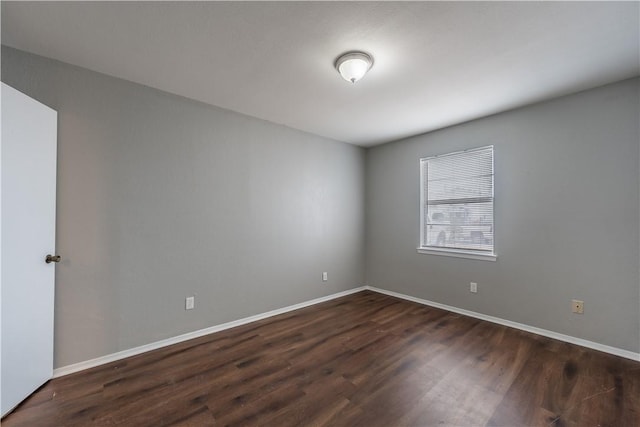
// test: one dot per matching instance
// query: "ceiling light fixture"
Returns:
(352, 66)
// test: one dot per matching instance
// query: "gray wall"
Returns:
(566, 214)
(160, 197)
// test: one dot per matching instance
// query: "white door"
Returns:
(28, 209)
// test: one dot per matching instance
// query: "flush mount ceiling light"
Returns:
(352, 66)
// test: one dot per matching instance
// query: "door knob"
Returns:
(52, 258)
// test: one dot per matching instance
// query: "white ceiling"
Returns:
(436, 63)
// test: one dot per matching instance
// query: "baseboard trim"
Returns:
(539, 331)
(81, 366)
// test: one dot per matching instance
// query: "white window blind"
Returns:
(457, 201)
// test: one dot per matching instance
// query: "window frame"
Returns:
(455, 252)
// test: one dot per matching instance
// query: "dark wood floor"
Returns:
(363, 360)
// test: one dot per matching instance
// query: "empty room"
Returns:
(320, 213)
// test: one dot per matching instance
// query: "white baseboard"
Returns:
(81, 366)
(539, 331)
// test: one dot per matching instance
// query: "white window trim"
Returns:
(456, 253)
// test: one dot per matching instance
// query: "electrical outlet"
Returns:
(325, 276)
(189, 303)
(473, 287)
(577, 306)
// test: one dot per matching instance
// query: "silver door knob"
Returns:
(52, 258)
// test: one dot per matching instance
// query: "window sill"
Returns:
(457, 253)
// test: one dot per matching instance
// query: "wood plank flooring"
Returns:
(363, 360)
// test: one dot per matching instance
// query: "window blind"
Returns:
(457, 201)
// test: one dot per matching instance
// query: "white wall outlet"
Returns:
(577, 306)
(325, 276)
(189, 303)
(473, 287)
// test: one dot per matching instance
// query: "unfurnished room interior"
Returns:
(320, 214)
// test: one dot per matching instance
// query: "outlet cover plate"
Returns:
(577, 306)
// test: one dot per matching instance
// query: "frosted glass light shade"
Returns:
(353, 66)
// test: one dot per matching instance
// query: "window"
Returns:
(456, 204)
